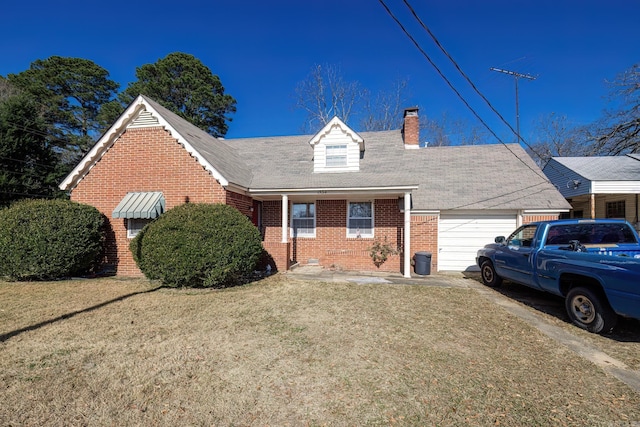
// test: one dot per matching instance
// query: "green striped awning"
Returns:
(144, 205)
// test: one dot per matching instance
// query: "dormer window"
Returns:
(336, 155)
(336, 148)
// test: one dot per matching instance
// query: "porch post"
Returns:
(407, 235)
(593, 206)
(285, 218)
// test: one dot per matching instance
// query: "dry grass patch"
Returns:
(287, 352)
(622, 344)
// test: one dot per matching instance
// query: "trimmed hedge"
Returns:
(198, 245)
(49, 239)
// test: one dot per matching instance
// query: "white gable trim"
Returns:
(192, 151)
(103, 144)
(135, 109)
(346, 129)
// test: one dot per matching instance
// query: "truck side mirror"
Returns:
(500, 239)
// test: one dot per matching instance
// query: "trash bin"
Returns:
(422, 263)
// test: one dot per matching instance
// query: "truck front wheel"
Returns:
(589, 311)
(489, 275)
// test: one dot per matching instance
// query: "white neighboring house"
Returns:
(599, 187)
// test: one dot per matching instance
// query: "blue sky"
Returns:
(262, 49)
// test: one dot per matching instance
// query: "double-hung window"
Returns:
(336, 155)
(134, 226)
(360, 219)
(303, 220)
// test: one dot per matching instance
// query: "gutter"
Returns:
(331, 190)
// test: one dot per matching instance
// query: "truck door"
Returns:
(514, 260)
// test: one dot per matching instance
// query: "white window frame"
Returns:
(135, 225)
(336, 155)
(292, 227)
(357, 233)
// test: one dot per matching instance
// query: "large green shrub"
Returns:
(198, 245)
(49, 239)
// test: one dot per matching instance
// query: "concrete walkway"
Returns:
(313, 272)
(611, 366)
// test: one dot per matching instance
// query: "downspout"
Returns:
(285, 218)
(407, 235)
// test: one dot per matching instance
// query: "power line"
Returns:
(11, 193)
(458, 94)
(545, 178)
(473, 86)
(466, 77)
(28, 162)
(43, 134)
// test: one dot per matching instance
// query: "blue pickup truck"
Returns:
(593, 264)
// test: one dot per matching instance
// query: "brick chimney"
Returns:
(411, 128)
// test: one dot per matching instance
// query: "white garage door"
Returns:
(460, 235)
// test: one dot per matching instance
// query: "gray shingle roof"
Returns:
(492, 176)
(224, 158)
(287, 162)
(460, 177)
(607, 168)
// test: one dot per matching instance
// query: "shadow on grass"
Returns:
(627, 330)
(8, 335)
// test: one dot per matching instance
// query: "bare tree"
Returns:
(385, 112)
(435, 131)
(619, 130)
(444, 130)
(557, 137)
(325, 94)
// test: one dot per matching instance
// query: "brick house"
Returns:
(323, 198)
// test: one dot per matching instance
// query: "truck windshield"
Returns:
(595, 233)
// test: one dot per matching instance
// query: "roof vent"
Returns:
(144, 120)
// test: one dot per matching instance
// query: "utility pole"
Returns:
(516, 76)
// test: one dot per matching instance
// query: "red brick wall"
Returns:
(241, 202)
(272, 235)
(148, 159)
(424, 236)
(527, 219)
(333, 249)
